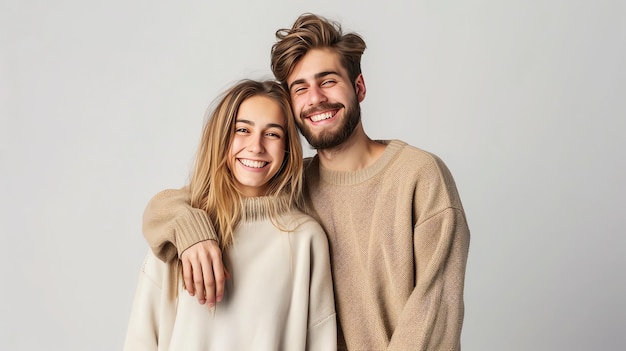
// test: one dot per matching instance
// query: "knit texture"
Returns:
(170, 230)
(398, 240)
(280, 296)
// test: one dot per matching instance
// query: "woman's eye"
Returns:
(241, 130)
(273, 135)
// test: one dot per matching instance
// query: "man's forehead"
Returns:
(316, 63)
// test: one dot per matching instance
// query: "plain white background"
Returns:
(102, 103)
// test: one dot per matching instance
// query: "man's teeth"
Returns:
(321, 116)
(253, 164)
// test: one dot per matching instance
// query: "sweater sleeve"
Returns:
(433, 315)
(142, 333)
(322, 329)
(171, 225)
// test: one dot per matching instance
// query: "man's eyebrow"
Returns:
(326, 73)
(316, 76)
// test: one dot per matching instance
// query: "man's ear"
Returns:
(359, 88)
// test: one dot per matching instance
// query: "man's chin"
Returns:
(324, 143)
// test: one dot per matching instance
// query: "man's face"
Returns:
(325, 102)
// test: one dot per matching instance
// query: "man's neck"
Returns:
(357, 152)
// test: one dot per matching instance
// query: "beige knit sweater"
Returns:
(280, 296)
(398, 242)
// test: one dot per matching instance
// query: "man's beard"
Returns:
(329, 139)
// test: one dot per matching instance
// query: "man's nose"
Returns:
(316, 95)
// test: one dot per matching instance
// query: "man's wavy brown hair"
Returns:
(315, 32)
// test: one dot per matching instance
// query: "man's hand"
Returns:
(204, 273)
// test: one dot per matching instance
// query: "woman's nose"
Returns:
(256, 144)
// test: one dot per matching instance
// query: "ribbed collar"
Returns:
(260, 207)
(356, 177)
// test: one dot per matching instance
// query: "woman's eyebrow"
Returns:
(269, 125)
(275, 125)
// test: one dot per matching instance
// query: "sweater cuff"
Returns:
(191, 228)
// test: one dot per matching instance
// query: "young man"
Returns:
(396, 227)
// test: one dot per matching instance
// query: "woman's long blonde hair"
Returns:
(212, 185)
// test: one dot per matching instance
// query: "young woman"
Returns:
(248, 178)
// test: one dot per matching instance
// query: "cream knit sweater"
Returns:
(280, 296)
(398, 242)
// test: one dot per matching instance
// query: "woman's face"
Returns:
(258, 146)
